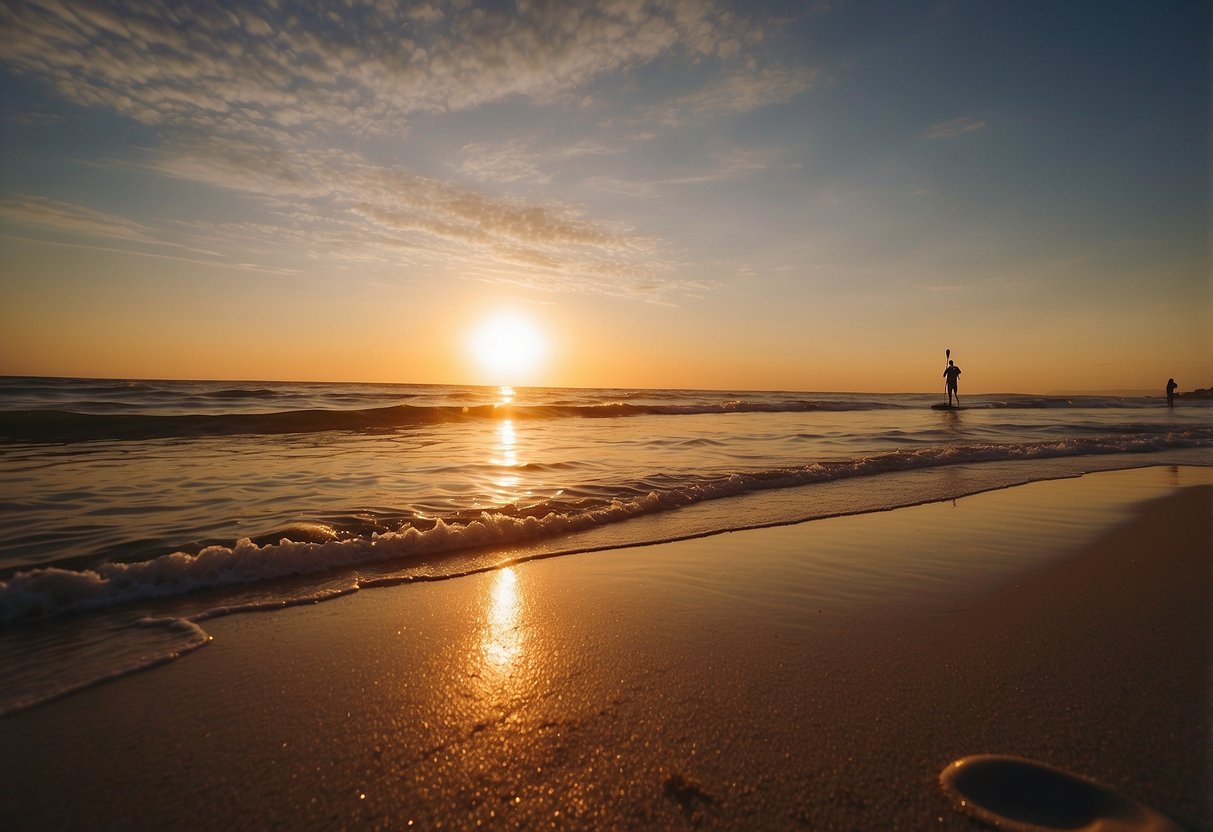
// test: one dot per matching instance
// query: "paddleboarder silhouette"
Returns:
(1171, 385)
(950, 374)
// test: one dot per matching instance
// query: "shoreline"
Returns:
(655, 686)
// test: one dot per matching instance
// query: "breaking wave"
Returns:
(51, 592)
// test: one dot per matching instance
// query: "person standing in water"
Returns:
(951, 373)
(1171, 385)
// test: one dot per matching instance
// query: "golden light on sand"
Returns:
(502, 640)
(507, 346)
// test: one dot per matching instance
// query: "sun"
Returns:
(507, 346)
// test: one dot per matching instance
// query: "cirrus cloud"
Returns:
(954, 128)
(357, 210)
(362, 67)
(276, 100)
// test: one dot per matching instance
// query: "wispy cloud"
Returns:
(353, 209)
(35, 119)
(734, 164)
(513, 162)
(744, 90)
(268, 100)
(520, 160)
(62, 216)
(954, 128)
(176, 258)
(364, 68)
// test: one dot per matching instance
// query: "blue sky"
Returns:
(794, 195)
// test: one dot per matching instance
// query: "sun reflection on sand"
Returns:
(502, 639)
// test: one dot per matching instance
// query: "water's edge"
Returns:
(175, 629)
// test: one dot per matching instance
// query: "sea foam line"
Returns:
(54, 591)
(192, 636)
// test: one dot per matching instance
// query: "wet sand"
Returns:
(816, 676)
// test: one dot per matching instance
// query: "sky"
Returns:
(673, 193)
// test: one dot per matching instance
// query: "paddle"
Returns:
(946, 354)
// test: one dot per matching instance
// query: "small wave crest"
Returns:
(54, 591)
(67, 426)
(240, 393)
(71, 426)
(1024, 402)
(101, 421)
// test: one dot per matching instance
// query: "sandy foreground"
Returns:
(814, 676)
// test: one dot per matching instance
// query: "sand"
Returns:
(816, 676)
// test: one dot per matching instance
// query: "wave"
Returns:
(1020, 401)
(240, 393)
(70, 426)
(54, 591)
(60, 426)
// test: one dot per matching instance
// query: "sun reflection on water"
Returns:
(505, 478)
(507, 443)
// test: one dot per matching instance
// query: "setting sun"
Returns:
(507, 346)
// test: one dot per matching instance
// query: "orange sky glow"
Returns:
(677, 194)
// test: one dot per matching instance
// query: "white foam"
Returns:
(56, 591)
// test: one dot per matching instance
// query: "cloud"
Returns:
(955, 128)
(637, 189)
(254, 167)
(519, 161)
(63, 216)
(339, 205)
(726, 166)
(742, 91)
(35, 119)
(587, 147)
(266, 100)
(511, 163)
(364, 68)
(69, 218)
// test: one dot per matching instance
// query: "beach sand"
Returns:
(814, 676)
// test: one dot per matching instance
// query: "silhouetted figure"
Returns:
(1171, 385)
(951, 375)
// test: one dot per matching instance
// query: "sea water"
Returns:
(133, 511)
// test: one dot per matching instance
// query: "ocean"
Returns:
(132, 511)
